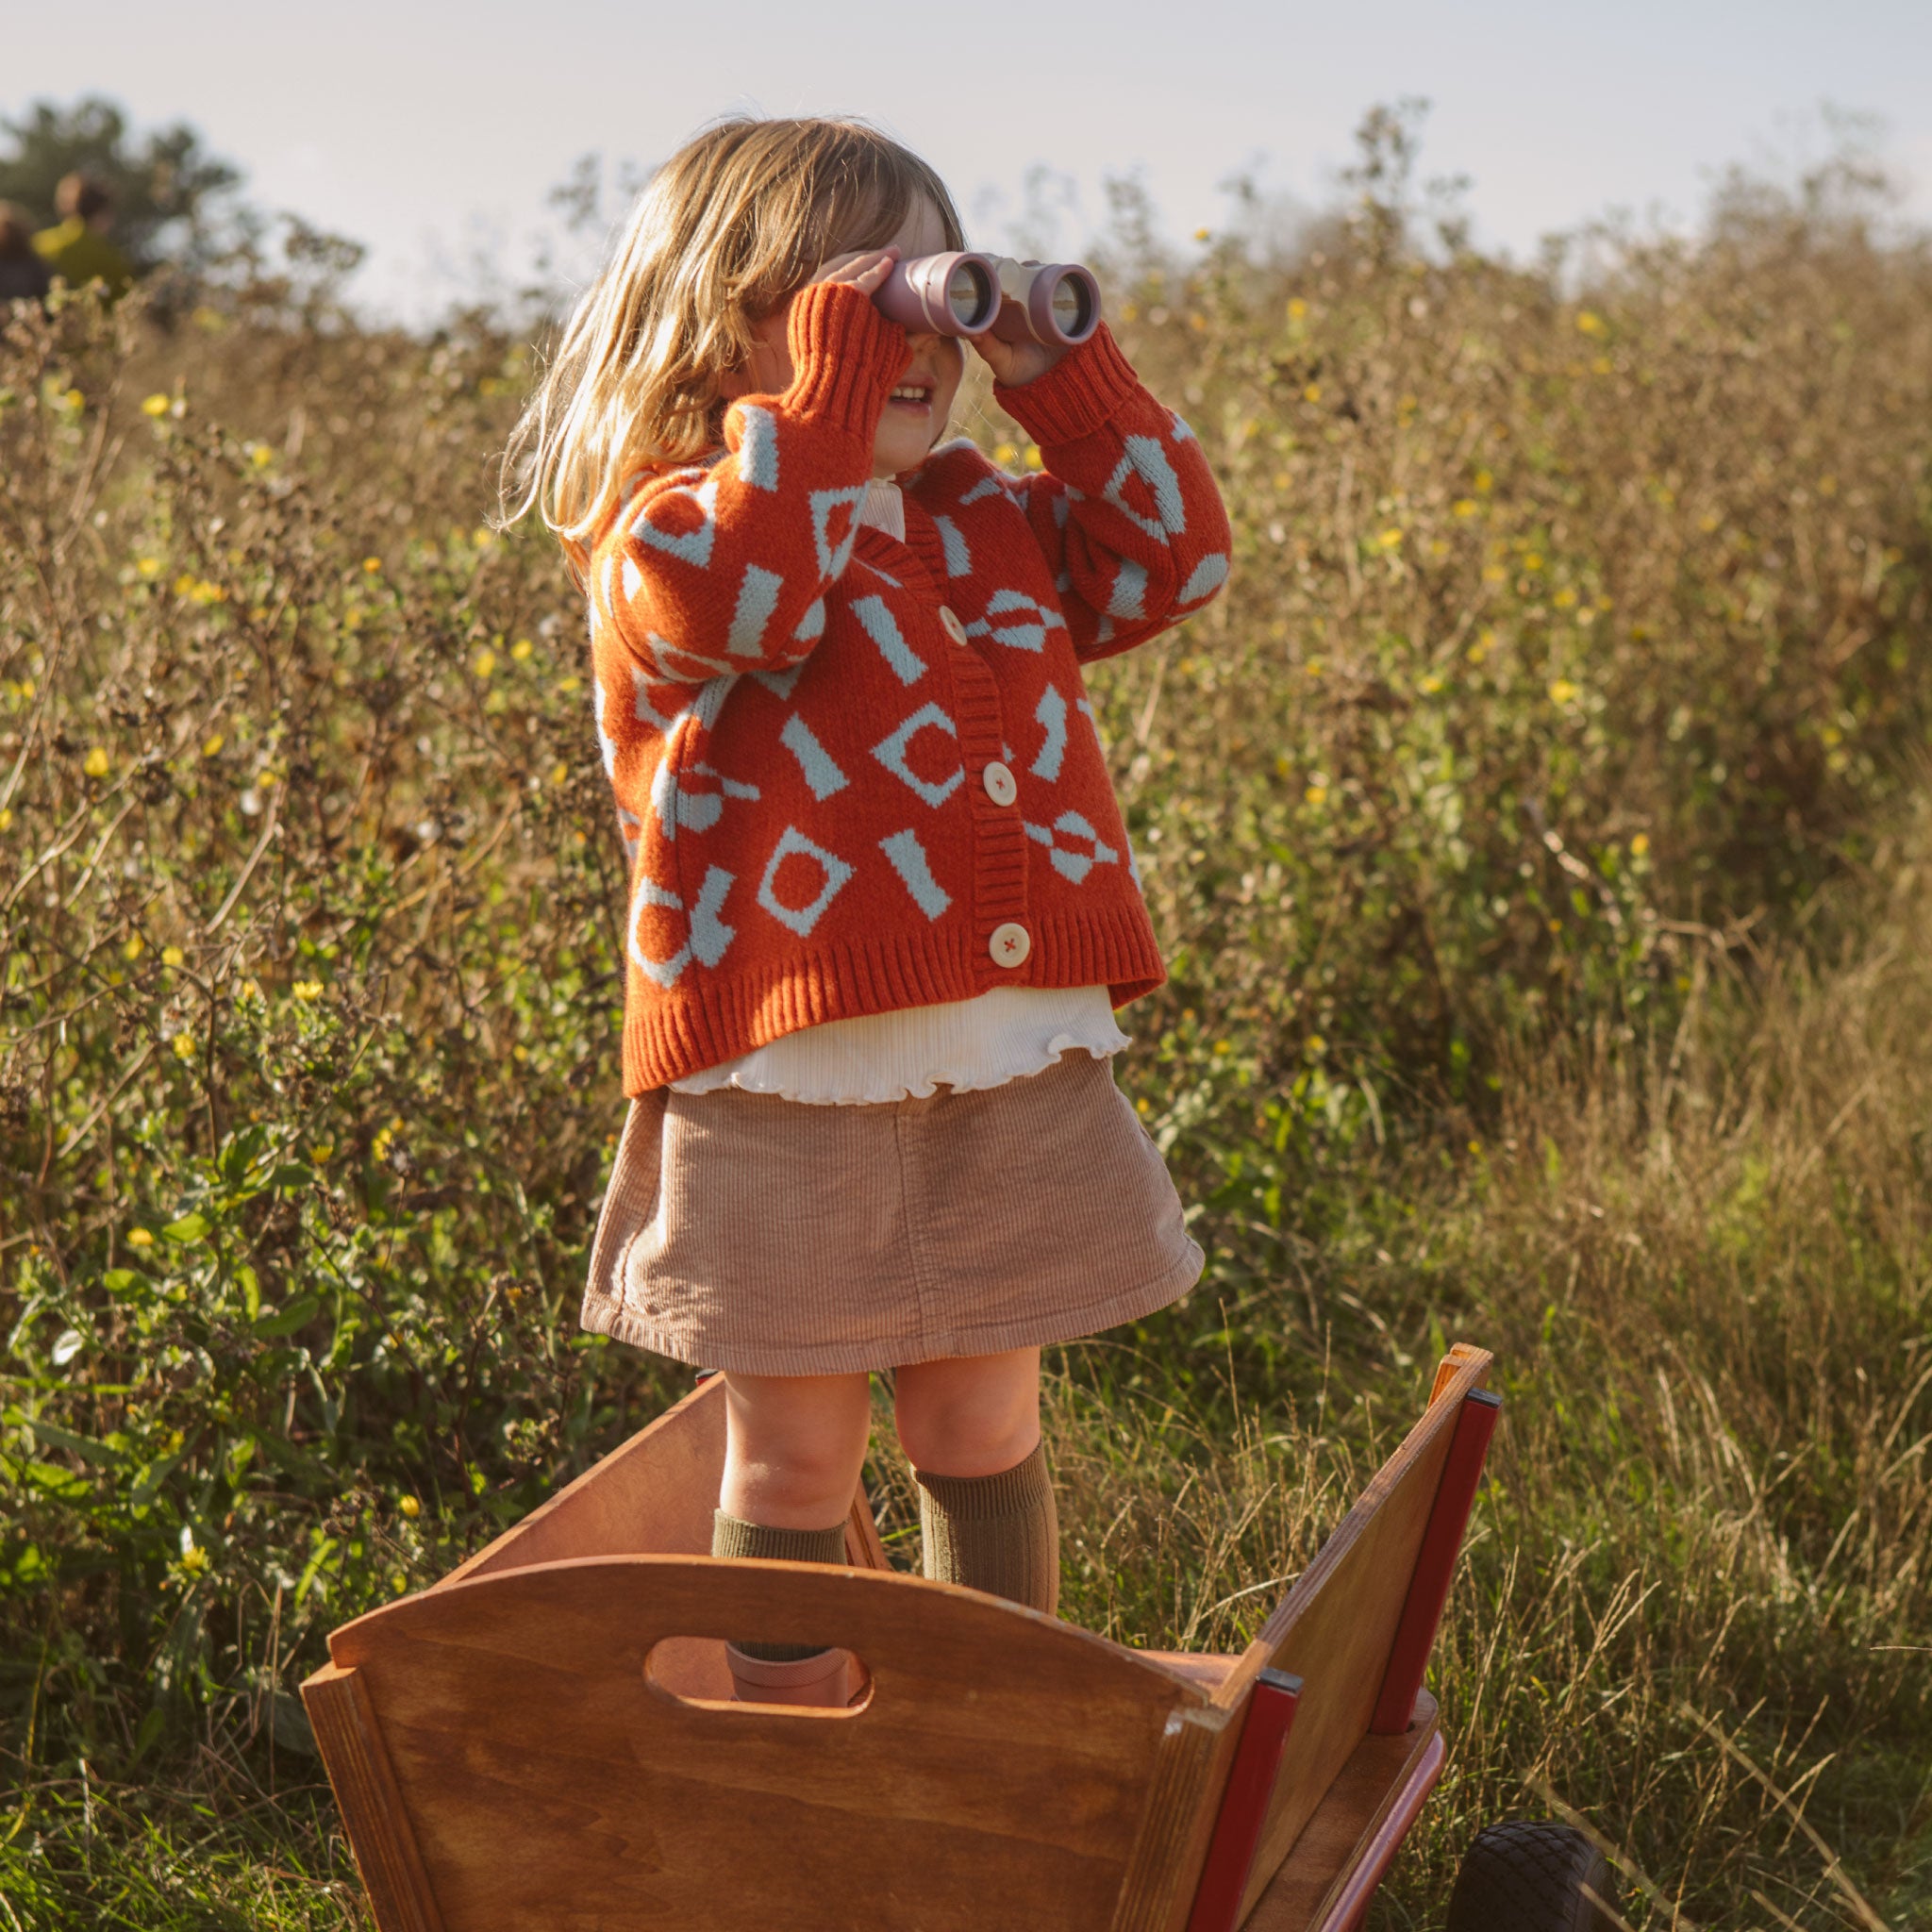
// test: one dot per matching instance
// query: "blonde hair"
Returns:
(725, 230)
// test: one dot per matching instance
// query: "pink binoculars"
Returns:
(968, 294)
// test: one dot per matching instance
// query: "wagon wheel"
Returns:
(1532, 1876)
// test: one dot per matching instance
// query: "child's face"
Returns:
(915, 414)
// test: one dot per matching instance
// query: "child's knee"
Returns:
(970, 1417)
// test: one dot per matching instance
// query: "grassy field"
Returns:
(1541, 838)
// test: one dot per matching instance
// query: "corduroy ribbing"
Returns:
(731, 1536)
(757, 1235)
(997, 1533)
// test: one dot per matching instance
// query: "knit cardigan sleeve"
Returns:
(724, 567)
(1126, 507)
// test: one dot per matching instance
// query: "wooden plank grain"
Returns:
(373, 1814)
(556, 1785)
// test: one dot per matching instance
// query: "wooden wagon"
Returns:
(546, 1740)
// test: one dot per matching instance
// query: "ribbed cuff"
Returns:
(731, 1536)
(979, 1498)
(1080, 394)
(847, 356)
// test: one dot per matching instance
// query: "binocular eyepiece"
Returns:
(965, 294)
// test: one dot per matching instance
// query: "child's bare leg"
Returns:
(793, 1447)
(970, 1426)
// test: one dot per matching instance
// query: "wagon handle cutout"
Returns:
(691, 1672)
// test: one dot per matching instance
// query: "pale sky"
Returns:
(429, 130)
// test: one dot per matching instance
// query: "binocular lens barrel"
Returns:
(1070, 308)
(955, 294)
(966, 294)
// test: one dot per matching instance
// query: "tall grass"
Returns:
(1538, 845)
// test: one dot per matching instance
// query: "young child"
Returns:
(882, 905)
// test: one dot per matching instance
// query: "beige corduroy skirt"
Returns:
(749, 1232)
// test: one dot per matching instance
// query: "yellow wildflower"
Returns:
(372, 564)
(409, 1506)
(1464, 506)
(1562, 691)
(133, 947)
(1297, 308)
(522, 649)
(184, 1047)
(212, 745)
(139, 1238)
(174, 956)
(97, 763)
(1639, 845)
(485, 664)
(156, 405)
(307, 990)
(1316, 795)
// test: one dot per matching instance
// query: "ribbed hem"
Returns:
(979, 1498)
(679, 1031)
(847, 356)
(1080, 394)
(731, 1536)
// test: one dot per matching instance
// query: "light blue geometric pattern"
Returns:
(835, 869)
(908, 860)
(821, 771)
(959, 558)
(1081, 704)
(992, 485)
(1182, 432)
(1146, 460)
(695, 545)
(1017, 621)
(676, 806)
(812, 625)
(605, 743)
(1072, 865)
(1051, 714)
(1205, 578)
(833, 560)
(758, 597)
(1128, 598)
(890, 753)
(780, 683)
(645, 711)
(707, 935)
(757, 446)
(876, 615)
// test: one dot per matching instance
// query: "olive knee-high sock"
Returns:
(732, 1537)
(997, 1533)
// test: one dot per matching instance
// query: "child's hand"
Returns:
(1016, 363)
(865, 268)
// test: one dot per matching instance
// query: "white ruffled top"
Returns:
(1005, 1034)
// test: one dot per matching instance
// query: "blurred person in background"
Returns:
(24, 276)
(77, 247)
